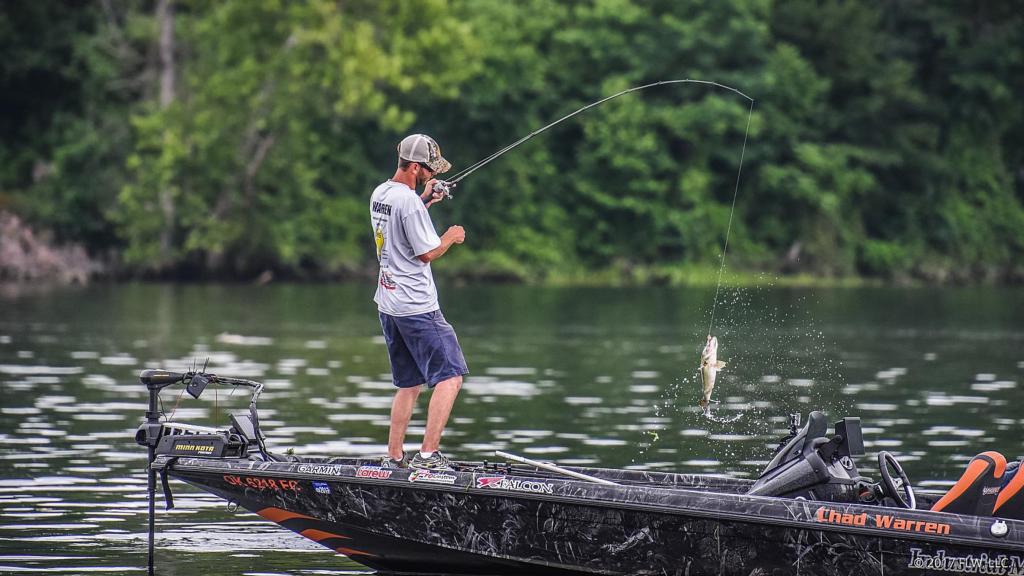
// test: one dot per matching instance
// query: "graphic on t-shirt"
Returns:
(387, 281)
(378, 237)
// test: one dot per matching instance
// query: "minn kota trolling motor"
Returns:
(175, 439)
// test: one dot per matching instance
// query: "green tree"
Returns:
(69, 74)
(265, 151)
(231, 137)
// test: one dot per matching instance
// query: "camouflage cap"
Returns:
(423, 148)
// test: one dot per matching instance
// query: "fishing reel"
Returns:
(444, 188)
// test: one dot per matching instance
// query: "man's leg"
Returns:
(401, 412)
(441, 401)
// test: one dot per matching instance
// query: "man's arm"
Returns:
(454, 235)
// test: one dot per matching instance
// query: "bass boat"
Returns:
(811, 511)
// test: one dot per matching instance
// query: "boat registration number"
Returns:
(263, 483)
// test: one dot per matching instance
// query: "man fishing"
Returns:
(422, 346)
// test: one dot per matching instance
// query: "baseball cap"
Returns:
(422, 148)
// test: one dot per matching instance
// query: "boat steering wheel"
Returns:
(899, 488)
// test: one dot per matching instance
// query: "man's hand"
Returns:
(430, 197)
(456, 234)
(453, 235)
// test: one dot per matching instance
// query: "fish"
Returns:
(709, 367)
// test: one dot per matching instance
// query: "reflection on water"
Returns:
(580, 376)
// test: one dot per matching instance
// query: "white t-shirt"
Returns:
(402, 230)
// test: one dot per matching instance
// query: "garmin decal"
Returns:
(321, 469)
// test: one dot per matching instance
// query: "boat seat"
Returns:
(975, 493)
(1010, 502)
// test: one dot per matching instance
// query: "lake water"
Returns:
(594, 376)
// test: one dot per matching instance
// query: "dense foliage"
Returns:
(226, 138)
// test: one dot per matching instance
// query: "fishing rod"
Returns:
(445, 186)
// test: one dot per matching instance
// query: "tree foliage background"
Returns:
(225, 138)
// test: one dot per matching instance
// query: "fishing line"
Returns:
(728, 229)
(445, 186)
(176, 402)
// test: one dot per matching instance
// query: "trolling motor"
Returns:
(174, 439)
(177, 439)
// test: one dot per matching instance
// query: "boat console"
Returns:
(811, 465)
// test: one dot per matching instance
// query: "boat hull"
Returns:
(492, 523)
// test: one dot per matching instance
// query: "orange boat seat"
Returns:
(976, 491)
(1010, 503)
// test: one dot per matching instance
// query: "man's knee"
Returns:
(411, 391)
(454, 383)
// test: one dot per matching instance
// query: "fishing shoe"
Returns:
(389, 462)
(437, 461)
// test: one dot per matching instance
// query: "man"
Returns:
(422, 346)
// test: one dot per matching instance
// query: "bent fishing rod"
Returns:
(446, 186)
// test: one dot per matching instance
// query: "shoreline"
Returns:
(32, 259)
(685, 279)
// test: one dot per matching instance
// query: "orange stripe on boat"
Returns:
(974, 470)
(279, 515)
(998, 459)
(318, 535)
(351, 552)
(1010, 490)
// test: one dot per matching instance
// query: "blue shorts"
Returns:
(422, 349)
